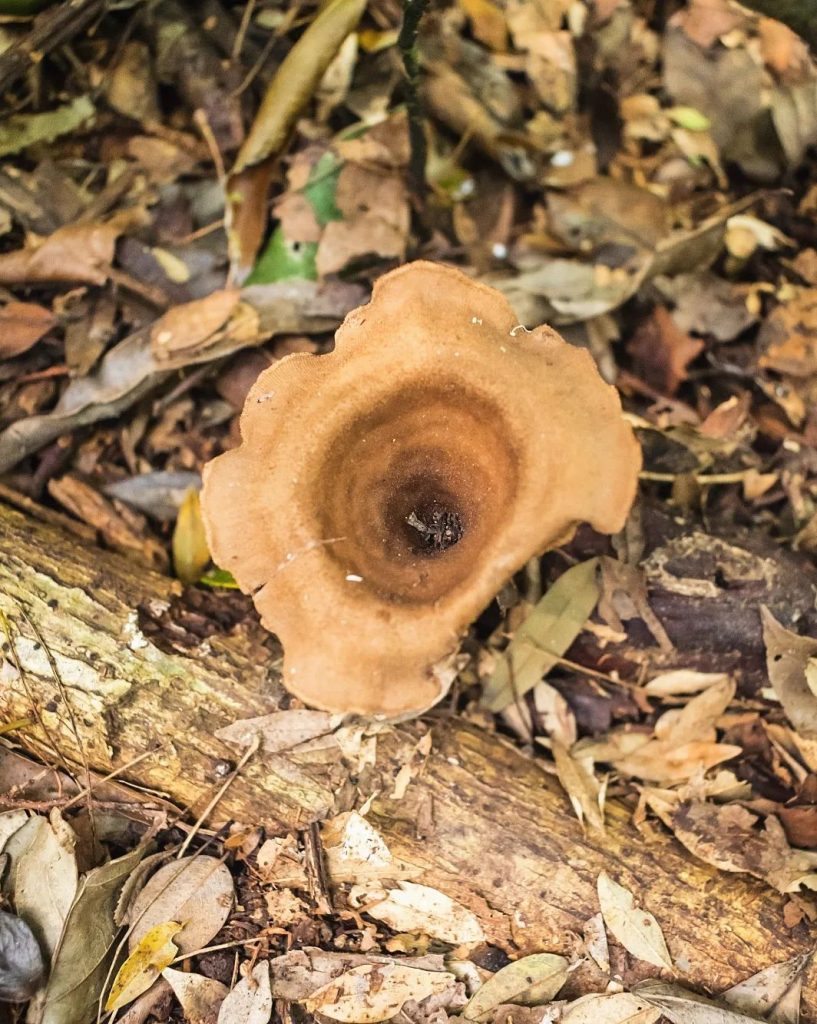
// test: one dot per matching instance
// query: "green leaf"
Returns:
(22, 130)
(544, 636)
(219, 578)
(531, 981)
(321, 188)
(690, 118)
(282, 261)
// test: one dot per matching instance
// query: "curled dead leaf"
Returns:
(22, 324)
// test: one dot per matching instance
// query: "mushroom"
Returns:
(383, 493)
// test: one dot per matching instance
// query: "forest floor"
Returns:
(181, 207)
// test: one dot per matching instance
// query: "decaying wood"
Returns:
(484, 823)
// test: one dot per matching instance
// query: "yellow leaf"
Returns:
(150, 957)
(191, 554)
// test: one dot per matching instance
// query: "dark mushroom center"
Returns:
(437, 528)
(416, 491)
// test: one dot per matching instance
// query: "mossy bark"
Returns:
(484, 822)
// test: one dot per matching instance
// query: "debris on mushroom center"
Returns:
(438, 528)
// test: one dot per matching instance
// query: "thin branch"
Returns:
(413, 11)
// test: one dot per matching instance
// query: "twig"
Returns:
(35, 708)
(413, 11)
(253, 748)
(72, 718)
(51, 29)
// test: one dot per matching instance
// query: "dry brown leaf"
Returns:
(76, 252)
(726, 836)
(705, 21)
(805, 264)
(704, 303)
(199, 997)
(191, 325)
(92, 508)
(419, 908)
(296, 79)
(788, 338)
(788, 659)
(375, 992)
(282, 730)
(301, 973)
(635, 928)
(607, 210)
(580, 784)
(556, 718)
(660, 761)
(131, 84)
(356, 852)
(487, 23)
(250, 1002)
(794, 114)
(762, 994)
(373, 200)
(333, 87)
(198, 891)
(681, 1006)
(22, 324)
(662, 352)
(610, 1008)
(696, 721)
(529, 981)
(595, 942)
(683, 681)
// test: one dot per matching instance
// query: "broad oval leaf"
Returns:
(531, 981)
(681, 1006)
(80, 966)
(296, 79)
(44, 876)
(375, 992)
(196, 891)
(250, 1002)
(200, 997)
(610, 1008)
(419, 908)
(636, 929)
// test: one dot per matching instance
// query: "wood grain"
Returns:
(486, 824)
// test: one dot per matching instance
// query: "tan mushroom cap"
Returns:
(434, 407)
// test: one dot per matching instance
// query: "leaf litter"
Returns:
(681, 678)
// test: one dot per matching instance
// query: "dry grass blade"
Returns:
(297, 79)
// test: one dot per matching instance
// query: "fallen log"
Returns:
(110, 663)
